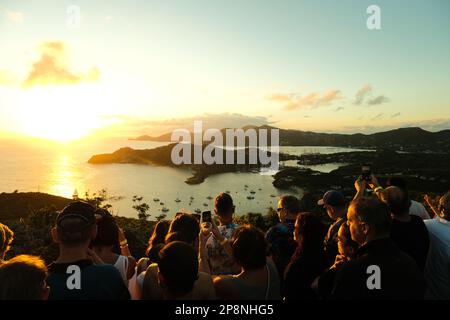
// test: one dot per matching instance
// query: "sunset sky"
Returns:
(146, 67)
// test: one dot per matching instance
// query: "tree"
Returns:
(141, 208)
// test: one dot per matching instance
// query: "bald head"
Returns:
(397, 201)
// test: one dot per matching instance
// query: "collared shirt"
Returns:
(218, 259)
(437, 268)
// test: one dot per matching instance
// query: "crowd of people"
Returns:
(380, 245)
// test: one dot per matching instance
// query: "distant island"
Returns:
(411, 139)
(422, 157)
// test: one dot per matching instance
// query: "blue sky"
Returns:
(295, 64)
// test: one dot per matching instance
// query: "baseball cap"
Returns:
(332, 198)
(80, 210)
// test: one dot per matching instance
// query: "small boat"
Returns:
(252, 192)
(161, 203)
(205, 204)
(155, 199)
(250, 197)
(177, 200)
(259, 189)
(198, 211)
(227, 191)
(245, 186)
(191, 197)
(209, 197)
(164, 209)
(273, 196)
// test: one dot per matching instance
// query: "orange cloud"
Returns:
(52, 68)
(312, 100)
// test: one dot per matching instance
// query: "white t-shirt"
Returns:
(417, 209)
(437, 268)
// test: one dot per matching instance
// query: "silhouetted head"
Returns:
(249, 247)
(184, 227)
(23, 278)
(335, 204)
(6, 238)
(346, 246)
(224, 207)
(107, 230)
(368, 219)
(75, 225)
(309, 233)
(397, 200)
(158, 235)
(178, 268)
(288, 208)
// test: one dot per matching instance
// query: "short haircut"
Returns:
(6, 237)
(22, 278)
(290, 204)
(73, 238)
(223, 203)
(396, 199)
(107, 232)
(373, 212)
(186, 226)
(397, 182)
(178, 263)
(249, 247)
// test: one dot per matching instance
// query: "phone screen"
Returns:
(206, 216)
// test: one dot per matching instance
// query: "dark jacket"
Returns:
(400, 277)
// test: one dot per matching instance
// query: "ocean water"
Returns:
(61, 169)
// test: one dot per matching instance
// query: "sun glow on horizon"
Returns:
(62, 113)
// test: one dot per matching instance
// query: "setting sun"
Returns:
(60, 113)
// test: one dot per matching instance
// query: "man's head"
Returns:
(178, 268)
(75, 225)
(224, 207)
(368, 219)
(444, 206)
(397, 200)
(23, 278)
(334, 202)
(288, 208)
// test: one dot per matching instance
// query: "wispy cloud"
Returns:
(14, 16)
(395, 115)
(338, 109)
(295, 101)
(378, 116)
(361, 94)
(377, 100)
(52, 68)
(365, 96)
